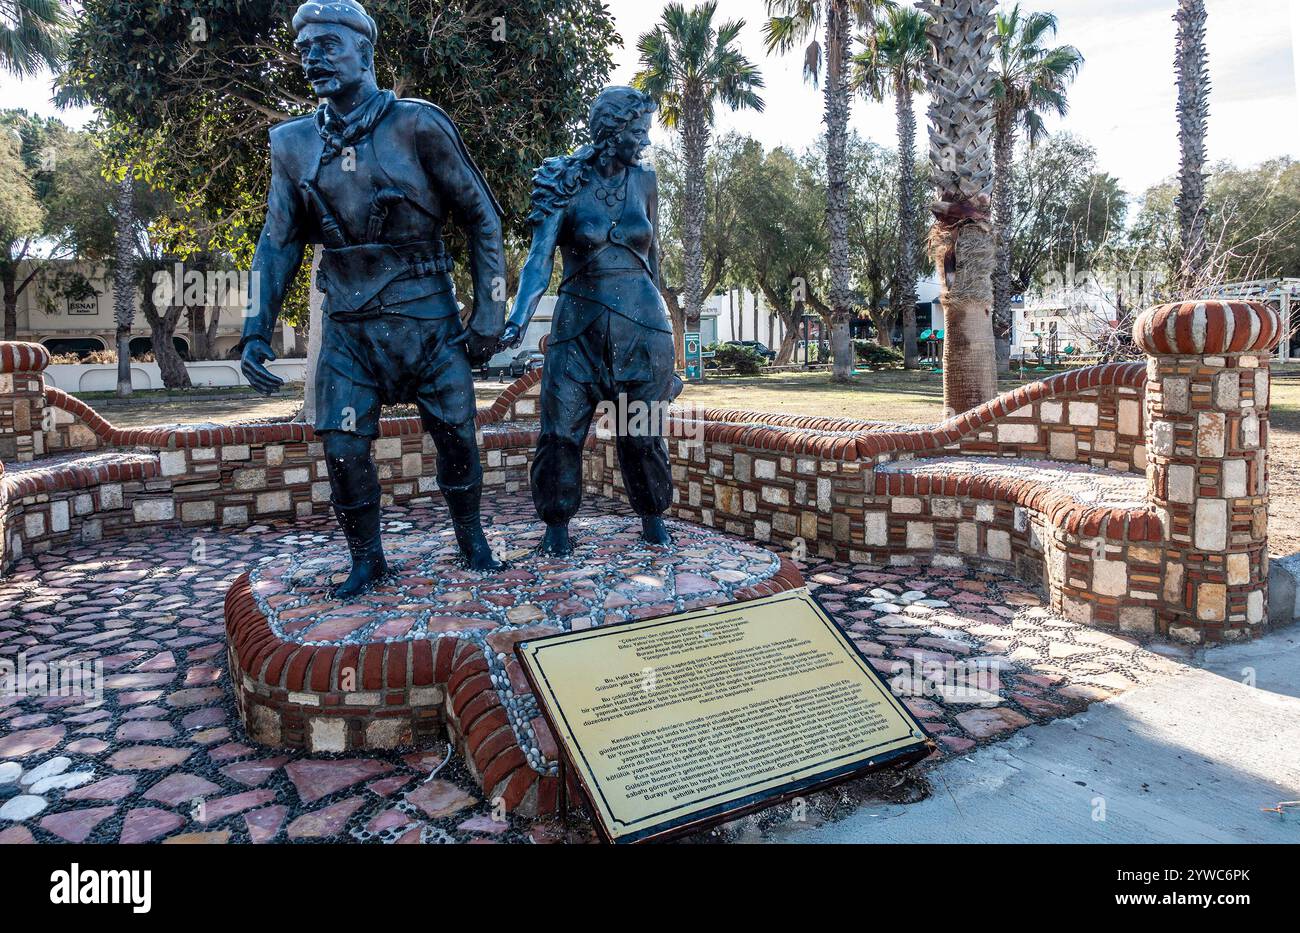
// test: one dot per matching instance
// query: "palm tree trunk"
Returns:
(124, 279)
(964, 251)
(961, 240)
(1004, 144)
(1193, 114)
(836, 95)
(905, 294)
(695, 141)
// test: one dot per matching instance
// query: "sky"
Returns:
(1122, 102)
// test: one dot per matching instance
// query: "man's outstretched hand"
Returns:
(256, 353)
(510, 337)
(480, 347)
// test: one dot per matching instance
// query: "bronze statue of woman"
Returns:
(610, 338)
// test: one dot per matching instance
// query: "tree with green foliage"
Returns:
(689, 64)
(1252, 226)
(783, 251)
(1030, 80)
(32, 33)
(1065, 212)
(894, 62)
(197, 87)
(725, 220)
(790, 24)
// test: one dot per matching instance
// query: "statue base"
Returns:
(430, 653)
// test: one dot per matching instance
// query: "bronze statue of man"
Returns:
(373, 178)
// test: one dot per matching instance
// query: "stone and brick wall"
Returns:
(1208, 403)
(1137, 494)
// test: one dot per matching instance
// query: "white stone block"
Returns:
(1083, 414)
(997, 544)
(945, 508)
(1063, 446)
(388, 448)
(60, 520)
(920, 535)
(905, 505)
(1109, 577)
(1181, 483)
(110, 496)
(1227, 390)
(1209, 434)
(34, 525)
(171, 462)
(1175, 393)
(1050, 412)
(154, 510)
(1017, 433)
(202, 511)
(1130, 417)
(1211, 532)
(1234, 478)
(326, 735)
(1250, 430)
(875, 530)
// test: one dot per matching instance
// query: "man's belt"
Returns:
(373, 276)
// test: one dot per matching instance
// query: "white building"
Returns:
(86, 324)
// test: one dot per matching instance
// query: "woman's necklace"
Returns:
(611, 194)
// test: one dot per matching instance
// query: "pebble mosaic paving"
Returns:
(161, 756)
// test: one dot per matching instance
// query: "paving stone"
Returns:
(176, 789)
(148, 758)
(324, 822)
(264, 824)
(439, 798)
(145, 824)
(320, 778)
(76, 825)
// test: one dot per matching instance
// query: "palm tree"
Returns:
(1029, 80)
(124, 272)
(686, 65)
(961, 240)
(31, 36)
(894, 62)
(1193, 114)
(791, 22)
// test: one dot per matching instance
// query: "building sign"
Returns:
(84, 304)
(674, 723)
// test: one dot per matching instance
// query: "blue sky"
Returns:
(1123, 101)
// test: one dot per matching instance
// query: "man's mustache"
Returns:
(316, 72)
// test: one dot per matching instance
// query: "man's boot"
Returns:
(360, 524)
(464, 506)
(555, 542)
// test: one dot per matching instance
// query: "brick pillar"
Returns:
(22, 400)
(1207, 462)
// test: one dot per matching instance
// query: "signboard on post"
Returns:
(694, 356)
(675, 723)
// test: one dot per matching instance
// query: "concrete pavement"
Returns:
(1191, 757)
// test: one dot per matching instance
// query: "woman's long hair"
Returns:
(558, 179)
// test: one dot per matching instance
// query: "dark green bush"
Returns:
(744, 360)
(873, 356)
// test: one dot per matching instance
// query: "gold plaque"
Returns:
(673, 723)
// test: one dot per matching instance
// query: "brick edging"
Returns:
(295, 695)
